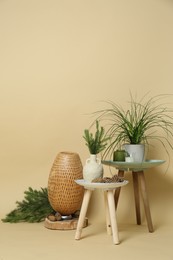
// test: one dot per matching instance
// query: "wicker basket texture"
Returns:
(65, 196)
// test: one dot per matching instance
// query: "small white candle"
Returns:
(129, 158)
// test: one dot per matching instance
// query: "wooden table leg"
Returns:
(85, 203)
(137, 197)
(145, 200)
(108, 221)
(117, 191)
(111, 204)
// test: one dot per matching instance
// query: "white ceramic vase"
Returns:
(136, 151)
(92, 168)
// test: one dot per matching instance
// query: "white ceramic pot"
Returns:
(136, 151)
(92, 168)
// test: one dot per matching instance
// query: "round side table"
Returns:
(109, 190)
(139, 184)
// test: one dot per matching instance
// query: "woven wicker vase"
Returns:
(65, 196)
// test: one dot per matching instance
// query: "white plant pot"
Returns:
(137, 151)
(92, 168)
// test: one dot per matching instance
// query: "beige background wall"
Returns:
(58, 59)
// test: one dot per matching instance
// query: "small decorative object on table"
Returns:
(119, 155)
(114, 179)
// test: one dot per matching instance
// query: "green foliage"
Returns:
(96, 143)
(144, 120)
(34, 208)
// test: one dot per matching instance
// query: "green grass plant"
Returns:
(144, 120)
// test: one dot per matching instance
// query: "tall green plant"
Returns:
(142, 121)
(95, 142)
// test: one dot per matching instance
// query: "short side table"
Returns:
(109, 189)
(139, 185)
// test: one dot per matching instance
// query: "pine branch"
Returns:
(34, 208)
(96, 143)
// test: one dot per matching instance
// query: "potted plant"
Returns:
(143, 120)
(96, 143)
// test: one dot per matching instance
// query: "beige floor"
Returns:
(26, 241)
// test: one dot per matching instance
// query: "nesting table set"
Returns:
(112, 192)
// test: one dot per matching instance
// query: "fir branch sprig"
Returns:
(34, 208)
(96, 143)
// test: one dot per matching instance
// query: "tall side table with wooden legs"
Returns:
(111, 222)
(139, 185)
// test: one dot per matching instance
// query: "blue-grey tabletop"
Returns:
(133, 165)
